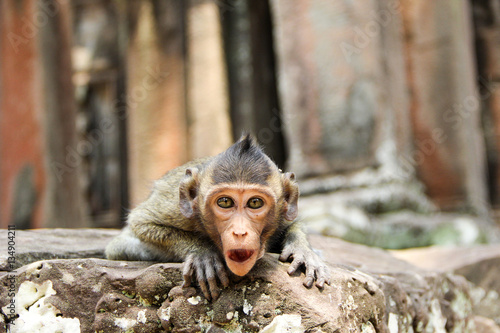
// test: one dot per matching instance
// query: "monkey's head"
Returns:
(240, 198)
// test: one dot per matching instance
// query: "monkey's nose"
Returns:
(240, 233)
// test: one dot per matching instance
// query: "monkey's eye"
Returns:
(255, 203)
(225, 202)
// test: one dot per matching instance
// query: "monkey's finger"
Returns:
(214, 289)
(294, 266)
(187, 272)
(323, 277)
(200, 275)
(308, 281)
(320, 283)
(212, 282)
(328, 281)
(285, 255)
(221, 273)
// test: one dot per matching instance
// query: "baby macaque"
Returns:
(219, 213)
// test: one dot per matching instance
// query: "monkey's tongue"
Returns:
(240, 255)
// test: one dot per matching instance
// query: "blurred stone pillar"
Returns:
(343, 90)
(156, 88)
(450, 151)
(487, 41)
(21, 130)
(249, 54)
(63, 201)
(207, 92)
(40, 169)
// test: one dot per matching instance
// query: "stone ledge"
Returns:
(371, 291)
(480, 265)
(40, 244)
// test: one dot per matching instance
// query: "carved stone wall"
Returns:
(384, 86)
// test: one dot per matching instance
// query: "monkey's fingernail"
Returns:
(308, 282)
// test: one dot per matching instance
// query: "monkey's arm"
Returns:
(200, 256)
(296, 246)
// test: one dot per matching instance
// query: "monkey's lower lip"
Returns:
(240, 255)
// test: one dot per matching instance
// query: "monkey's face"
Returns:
(240, 214)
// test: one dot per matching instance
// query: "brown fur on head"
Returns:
(246, 178)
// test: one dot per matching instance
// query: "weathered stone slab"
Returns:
(463, 260)
(478, 264)
(371, 291)
(40, 244)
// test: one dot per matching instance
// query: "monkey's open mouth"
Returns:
(240, 255)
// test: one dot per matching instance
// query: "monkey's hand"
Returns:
(316, 269)
(207, 266)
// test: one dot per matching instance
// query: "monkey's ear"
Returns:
(291, 194)
(188, 190)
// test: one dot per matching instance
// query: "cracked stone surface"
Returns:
(371, 291)
(39, 244)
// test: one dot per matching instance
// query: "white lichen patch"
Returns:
(37, 316)
(247, 307)
(35, 267)
(229, 315)
(393, 323)
(164, 314)
(195, 300)
(30, 292)
(141, 317)
(97, 287)
(68, 278)
(348, 304)
(392, 303)
(290, 323)
(461, 305)
(368, 328)
(125, 323)
(437, 321)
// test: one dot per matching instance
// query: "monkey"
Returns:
(221, 213)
